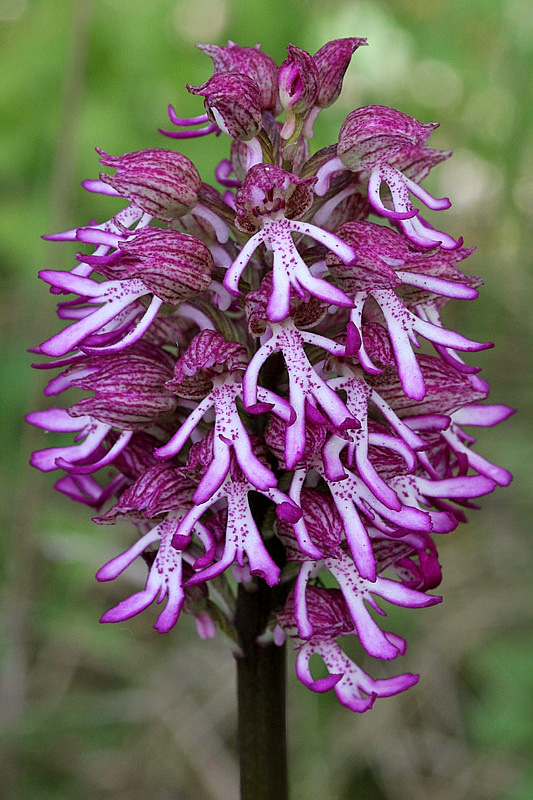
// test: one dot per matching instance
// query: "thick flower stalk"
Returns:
(260, 408)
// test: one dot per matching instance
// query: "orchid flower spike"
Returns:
(257, 404)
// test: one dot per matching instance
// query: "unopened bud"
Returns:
(332, 61)
(233, 103)
(250, 61)
(298, 81)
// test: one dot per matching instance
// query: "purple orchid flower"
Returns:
(354, 688)
(266, 195)
(371, 140)
(69, 457)
(258, 409)
(173, 266)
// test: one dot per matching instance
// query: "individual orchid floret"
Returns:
(372, 135)
(371, 139)
(208, 355)
(330, 619)
(305, 384)
(376, 277)
(164, 184)
(129, 386)
(242, 537)
(250, 61)
(325, 527)
(332, 61)
(403, 326)
(169, 265)
(230, 434)
(161, 490)
(164, 578)
(298, 81)
(68, 457)
(267, 196)
(233, 103)
(269, 192)
(386, 259)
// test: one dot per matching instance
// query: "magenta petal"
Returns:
(304, 673)
(483, 415)
(118, 564)
(260, 408)
(288, 512)
(353, 339)
(130, 606)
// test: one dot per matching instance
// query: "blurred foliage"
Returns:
(117, 712)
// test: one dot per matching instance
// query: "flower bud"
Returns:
(250, 61)
(233, 103)
(160, 182)
(332, 61)
(373, 135)
(298, 81)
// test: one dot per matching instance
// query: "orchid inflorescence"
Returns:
(252, 354)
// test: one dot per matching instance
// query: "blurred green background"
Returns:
(117, 712)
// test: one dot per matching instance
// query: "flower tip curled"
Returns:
(260, 408)
(289, 512)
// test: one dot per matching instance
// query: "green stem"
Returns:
(261, 699)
